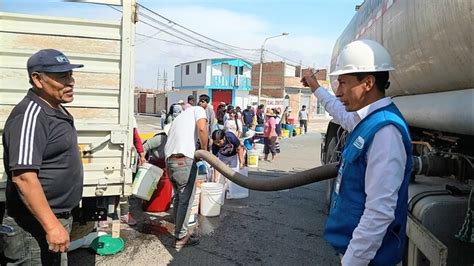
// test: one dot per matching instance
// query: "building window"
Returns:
(199, 68)
(187, 69)
(239, 70)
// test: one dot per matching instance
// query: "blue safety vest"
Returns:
(348, 198)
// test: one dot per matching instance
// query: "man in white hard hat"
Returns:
(368, 211)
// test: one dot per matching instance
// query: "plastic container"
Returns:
(285, 133)
(291, 121)
(195, 207)
(145, 182)
(259, 148)
(236, 191)
(252, 158)
(259, 128)
(107, 245)
(298, 131)
(290, 129)
(211, 199)
(160, 201)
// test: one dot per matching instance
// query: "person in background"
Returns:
(260, 114)
(227, 147)
(270, 135)
(238, 113)
(169, 115)
(42, 164)
(178, 108)
(232, 124)
(186, 130)
(227, 111)
(368, 214)
(221, 110)
(303, 117)
(163, 119)
(278, 121)
(154, 148)
(189, 103)
(211, 118)
(285, 115)
(248, 115)
(175, 110)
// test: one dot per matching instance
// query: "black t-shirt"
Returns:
(38, 137)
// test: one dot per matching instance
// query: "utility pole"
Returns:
(165, 79)
(261, 64)
(158, 79)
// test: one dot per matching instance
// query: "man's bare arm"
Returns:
(33, 196)
(203, 133)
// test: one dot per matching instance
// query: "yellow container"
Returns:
(285, 133)
(298, 130)
(146, 136)
(252, 158)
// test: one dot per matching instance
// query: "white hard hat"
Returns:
(362, 56)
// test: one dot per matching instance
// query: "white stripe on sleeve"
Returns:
(27, 134)
(22, 136)
(30, 156)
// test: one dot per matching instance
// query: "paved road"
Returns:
(267, 228)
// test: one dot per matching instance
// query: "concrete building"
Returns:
(149, 101)
(224, 80)
(281, 87)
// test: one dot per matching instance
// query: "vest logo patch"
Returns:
(359, 143)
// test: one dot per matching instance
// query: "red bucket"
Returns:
(160, 201)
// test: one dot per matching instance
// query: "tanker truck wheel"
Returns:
(331, 153)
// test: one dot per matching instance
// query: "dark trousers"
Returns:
(27, 244)
(269, 145)
(304, 123)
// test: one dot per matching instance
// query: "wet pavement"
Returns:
(267, 228)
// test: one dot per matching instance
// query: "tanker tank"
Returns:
(431, 47)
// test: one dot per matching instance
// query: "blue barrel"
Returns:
(290, 129)
(259, 128)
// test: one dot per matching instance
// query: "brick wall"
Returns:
(273, 80)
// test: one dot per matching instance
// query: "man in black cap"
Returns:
(43, 165)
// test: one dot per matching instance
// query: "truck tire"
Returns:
(331, 153)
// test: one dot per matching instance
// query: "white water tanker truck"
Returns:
(431, 47)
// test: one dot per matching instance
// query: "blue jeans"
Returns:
(27, 244)
(182, 173)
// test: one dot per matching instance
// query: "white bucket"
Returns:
(259, 148)
(211, 198)
(194, 208)
(252, 158)
(145, 182)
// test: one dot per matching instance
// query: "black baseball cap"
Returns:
(49, 60)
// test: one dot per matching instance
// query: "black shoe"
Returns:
(187, 241)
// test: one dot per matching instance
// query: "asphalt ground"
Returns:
(267, 228)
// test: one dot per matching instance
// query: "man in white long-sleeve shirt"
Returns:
(368, 212)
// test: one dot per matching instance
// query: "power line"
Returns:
(226, 53)
(210, 46)
(170, 21)
(163, 40)
(200, 43)
(207, 48)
